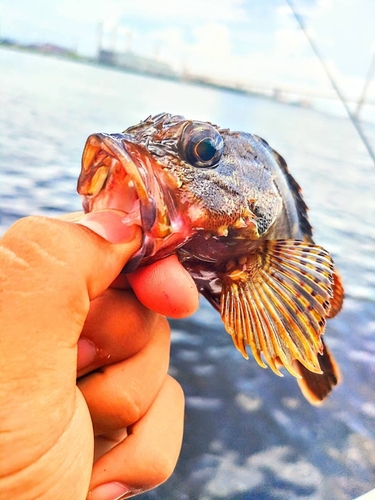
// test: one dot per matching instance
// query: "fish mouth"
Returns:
(118, 174)
(111, 179)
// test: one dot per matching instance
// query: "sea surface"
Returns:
(249, 435)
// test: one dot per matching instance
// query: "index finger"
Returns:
(166, 287)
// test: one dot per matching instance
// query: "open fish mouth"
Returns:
(111, 178)
(118, 174)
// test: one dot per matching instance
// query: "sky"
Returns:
(243, 41)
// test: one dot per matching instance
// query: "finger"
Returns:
(147, 457)
(166, 287)
(117, 327)
(119, 394)
(35, 245)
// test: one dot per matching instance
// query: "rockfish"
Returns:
(227, 205)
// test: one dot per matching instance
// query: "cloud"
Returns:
(212, 39)
(241, 40)
(187, 11)
(161, 11)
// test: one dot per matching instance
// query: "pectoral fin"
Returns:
(277, 301)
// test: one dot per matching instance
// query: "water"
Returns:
(249, 434)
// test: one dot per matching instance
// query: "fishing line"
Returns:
(316, 51)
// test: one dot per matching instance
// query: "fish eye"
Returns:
(201, 145)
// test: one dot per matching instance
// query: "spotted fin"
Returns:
(276, 301)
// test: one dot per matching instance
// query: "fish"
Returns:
(226, 204)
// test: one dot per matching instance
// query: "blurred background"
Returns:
(70, 68)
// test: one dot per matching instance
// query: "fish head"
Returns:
(177, 177)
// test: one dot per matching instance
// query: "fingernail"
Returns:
(109, 491)
(87, 353)
(109, 225)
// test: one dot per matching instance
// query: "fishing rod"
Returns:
(316, 51)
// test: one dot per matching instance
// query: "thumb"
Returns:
(51, 269)
(109, 225)
(38, 246)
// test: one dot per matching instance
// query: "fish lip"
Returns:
(102, 157)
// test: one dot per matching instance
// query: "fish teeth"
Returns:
(248, 214)
(222, 231)
(240, 223)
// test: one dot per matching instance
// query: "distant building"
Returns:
(132, 62)
(43, 48)
(50, 48)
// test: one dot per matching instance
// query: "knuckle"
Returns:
(132, 411)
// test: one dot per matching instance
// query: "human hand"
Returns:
(55, 277)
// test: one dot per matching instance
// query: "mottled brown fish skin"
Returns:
(226, 203)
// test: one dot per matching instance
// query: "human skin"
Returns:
(59, 317)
